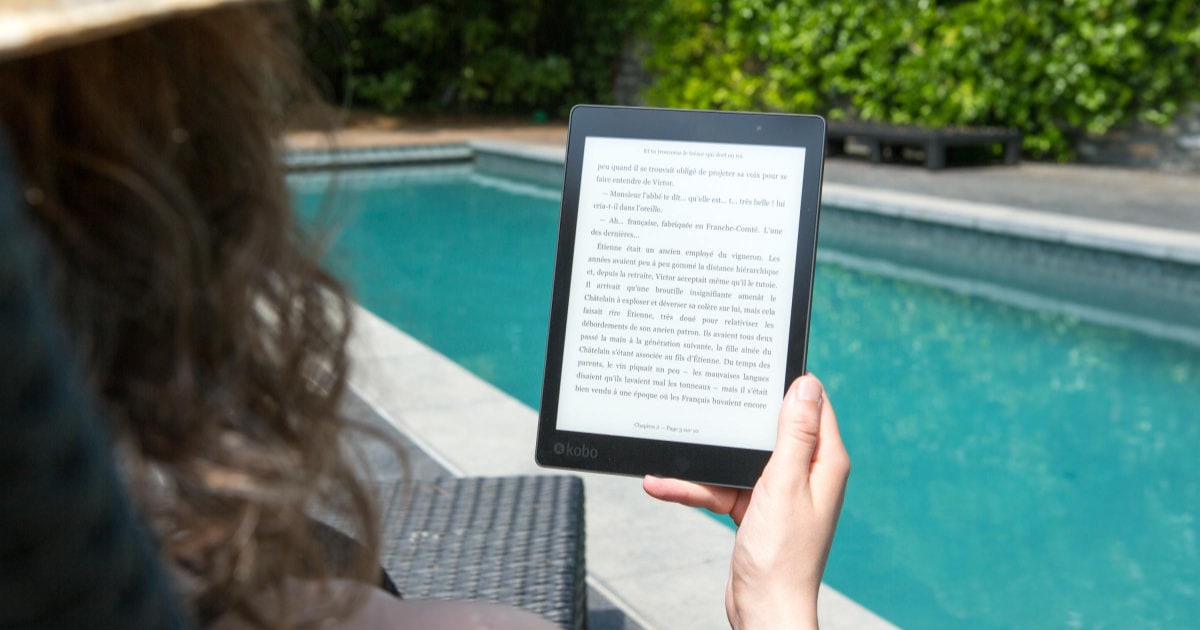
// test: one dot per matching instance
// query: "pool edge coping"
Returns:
(1105, 235)
(1030, 223)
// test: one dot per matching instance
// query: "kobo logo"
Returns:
(575, 450)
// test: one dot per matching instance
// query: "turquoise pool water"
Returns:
(1012, 468)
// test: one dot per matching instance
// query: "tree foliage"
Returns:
(506, 56)
(1053, 68)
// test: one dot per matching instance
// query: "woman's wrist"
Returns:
(782, 611)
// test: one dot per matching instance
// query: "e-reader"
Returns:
(682, 290)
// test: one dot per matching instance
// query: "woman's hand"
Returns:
(786, 522)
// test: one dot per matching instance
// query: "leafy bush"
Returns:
(509, 56)
(1053, 68)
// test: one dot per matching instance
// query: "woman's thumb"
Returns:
(799, 426)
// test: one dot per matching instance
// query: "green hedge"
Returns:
(1054, 68)
(487, 56)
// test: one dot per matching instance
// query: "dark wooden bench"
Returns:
(935, 141)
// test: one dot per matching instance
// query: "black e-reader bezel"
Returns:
(719, 465)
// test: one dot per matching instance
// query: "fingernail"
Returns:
(809, 389)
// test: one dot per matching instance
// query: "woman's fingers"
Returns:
(712, 498)
(808, 450)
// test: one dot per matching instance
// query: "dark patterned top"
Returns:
(73, 551)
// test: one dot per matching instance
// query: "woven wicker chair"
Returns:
(511, 540)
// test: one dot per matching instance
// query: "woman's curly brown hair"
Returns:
(212, 334)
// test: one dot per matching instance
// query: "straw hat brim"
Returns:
(29, 27)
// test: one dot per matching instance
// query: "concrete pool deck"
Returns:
(663, 565)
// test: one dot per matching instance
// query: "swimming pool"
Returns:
(1013, 468)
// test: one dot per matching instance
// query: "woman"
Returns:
(146, 133)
